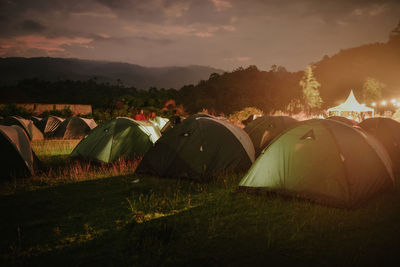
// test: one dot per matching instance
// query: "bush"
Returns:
(13, 110)
(238, 116)
(63, 113)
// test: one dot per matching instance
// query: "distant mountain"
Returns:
(13, 70)
(350, 68)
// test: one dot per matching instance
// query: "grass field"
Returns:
(76, 214)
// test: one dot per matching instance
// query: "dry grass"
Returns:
(54, 146)
(57, 168)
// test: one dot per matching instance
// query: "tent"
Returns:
(17, 157)
(199, 148)
(387, 131)
(74, 128)
(34, 119)
(161, 123)
(325, 161)
(347, 121)
(351, 109)
(117, 138)
(49, 124)
(264, 129)
(29, 127)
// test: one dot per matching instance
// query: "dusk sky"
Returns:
(218, 33)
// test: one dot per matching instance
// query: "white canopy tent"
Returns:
(351, 109)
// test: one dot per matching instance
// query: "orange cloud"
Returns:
(221, 5)
(49, 45)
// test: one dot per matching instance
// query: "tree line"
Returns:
(270, 91)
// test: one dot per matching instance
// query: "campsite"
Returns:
(199, 133)
(103, 212)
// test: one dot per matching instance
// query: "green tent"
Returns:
(323, 160)
(199, 148)
(387, 131)
(264, 129)
(118, 138)
(343, 119)
(17, 158)
(49, 124)
(27, 125)
(74, 128)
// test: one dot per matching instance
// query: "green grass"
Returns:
(121, 219)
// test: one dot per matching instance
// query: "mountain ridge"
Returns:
(14, 69)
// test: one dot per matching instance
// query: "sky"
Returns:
(224, 34)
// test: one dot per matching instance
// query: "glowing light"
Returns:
(398, 104)
(373, 104)
(383, 103)
(393, 101)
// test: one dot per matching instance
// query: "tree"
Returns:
(278, 68)
(295, 106)
(372, 90)
(310, 86)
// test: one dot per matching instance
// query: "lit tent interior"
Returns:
(351, 109)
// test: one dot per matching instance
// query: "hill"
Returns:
(13, 70)
(274, 89)
(350, 68)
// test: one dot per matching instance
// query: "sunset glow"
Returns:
(225, 34)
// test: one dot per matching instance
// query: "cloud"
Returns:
(372, 10)
(25, 43)
(129, 40)
(32, 26)
(199, 30)
(104, 15)
(221, 33)
(238, 59)
(175, 10)
(221, 5)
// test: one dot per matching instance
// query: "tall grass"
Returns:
(54, 146)
(56, 167)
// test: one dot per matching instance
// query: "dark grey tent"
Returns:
(17, 158)
(343, 119)
(27, 125)
(323, 160)
(34, 119)
(387, 131)
(199, 148)
(49, 124)
(264, 129)
(74, 128)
